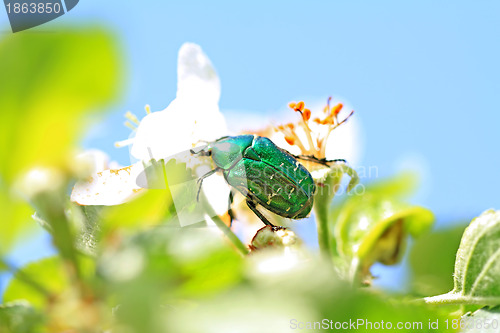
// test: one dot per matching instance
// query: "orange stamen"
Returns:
(290, 140)
(336, 109)
(306, 114)
(299, 106)
(328, 120)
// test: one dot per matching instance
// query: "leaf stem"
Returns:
(321, 214)
(230, 235)
(223, 227)
(452, 298)
(325, 192)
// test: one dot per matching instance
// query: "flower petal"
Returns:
(196, 77)
(108, 187)
(192, 117)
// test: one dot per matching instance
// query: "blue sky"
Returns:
(423, 77)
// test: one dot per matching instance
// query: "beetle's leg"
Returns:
(230, 208)
(200, 181)
(254, 209)
(322, 161)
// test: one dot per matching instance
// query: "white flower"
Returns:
(193, 116)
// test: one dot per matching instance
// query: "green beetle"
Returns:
(264, 173)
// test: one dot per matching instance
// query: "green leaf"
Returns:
(175, 178)
(274, 284)
(157, 204)
(196, 259)
(147, 210)
(15, 215)
(52, 81)
(47, 273)
(400, 186)
(155, 269)
(19, 317)
(373, 227)
(432, 277)
(484, 320)
(477, 264)
(3, 265)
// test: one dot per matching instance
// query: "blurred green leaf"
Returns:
(49, 81)
(399, 186)
(215, 268)
(161, 202)
(150, 209)
(484, 320)
(276, 299)
(188, 280)
(155, 270)
(373, 226)
(197, 258)
(48, 273)
(53, 79)
(175, 178)
(477, 264)
(15, 215)
(432, 259)
(19, 317)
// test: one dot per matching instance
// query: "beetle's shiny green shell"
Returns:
(263, 172)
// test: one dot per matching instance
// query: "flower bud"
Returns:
(273, 237)
(40, 181)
